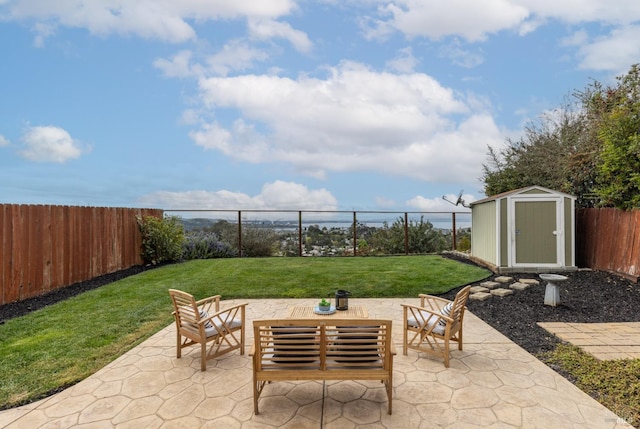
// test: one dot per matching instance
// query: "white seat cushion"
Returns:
(213, 329)
(446, 311)
(430, 319)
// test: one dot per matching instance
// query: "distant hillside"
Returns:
(197, 223)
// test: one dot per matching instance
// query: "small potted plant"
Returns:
(324, 305)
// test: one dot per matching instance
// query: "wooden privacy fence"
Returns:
(608, 239)
(43, 248)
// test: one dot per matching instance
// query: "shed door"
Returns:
(536, 232)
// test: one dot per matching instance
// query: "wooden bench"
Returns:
(317, 349)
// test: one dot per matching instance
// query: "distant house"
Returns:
(530, 229)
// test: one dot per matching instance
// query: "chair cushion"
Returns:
(211, 328)
(235, 323)
(204, 315)
(446, 311)
(430, 319)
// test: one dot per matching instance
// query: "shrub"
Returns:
(206, 245)
(162, 239)
(422, 238)
(256, 242)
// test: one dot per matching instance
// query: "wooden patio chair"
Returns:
(430, 327)
(202, 322)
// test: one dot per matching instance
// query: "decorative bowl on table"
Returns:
(318, 310)
(324, 305)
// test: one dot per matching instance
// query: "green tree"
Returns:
(546, 155)
(590, 148)
(619, 131)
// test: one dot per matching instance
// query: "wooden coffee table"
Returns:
(306, 312)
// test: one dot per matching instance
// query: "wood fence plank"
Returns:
(57, 247)
(68, 239)
(96, 242)
(633, 253)
(47, 249)
(5, 252)
(19, 263)
(621, 241)
(35, 251)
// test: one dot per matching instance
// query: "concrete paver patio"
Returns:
(604, 341)
(491, 383)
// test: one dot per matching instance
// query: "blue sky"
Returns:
(285, 104)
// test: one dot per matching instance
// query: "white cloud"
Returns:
(278, 195)
(355, 119)
(578, 38)
(166, 20)
(404, 62)
(236, 55)
(385, 203)
(614, 52)
(180, 65)
(461, 56)
(49, 144)
(271, 29)
(471, 20)
(443, 204)
(3, 141)
(475, 20)
(613, 12)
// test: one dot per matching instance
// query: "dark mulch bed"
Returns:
(588, 296)
(17, 309)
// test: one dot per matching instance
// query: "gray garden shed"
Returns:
(526, 230)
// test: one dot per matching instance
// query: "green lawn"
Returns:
(62, 344)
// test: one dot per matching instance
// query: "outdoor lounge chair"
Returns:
(430, 327)
(202, 322)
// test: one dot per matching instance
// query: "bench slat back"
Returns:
(332, 344)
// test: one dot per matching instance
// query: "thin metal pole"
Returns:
(300, 233)
(355, 235)
(453, 221)
(240, 233)
(406, 233)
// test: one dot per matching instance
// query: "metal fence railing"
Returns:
(357, 223)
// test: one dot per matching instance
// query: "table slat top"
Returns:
(306, 312)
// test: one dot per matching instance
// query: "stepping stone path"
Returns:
(478, 289)
(501, 292)
(500, 286)
(490, 285)
(519, 286)
(480, 296)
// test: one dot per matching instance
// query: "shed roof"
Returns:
(519, 191)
